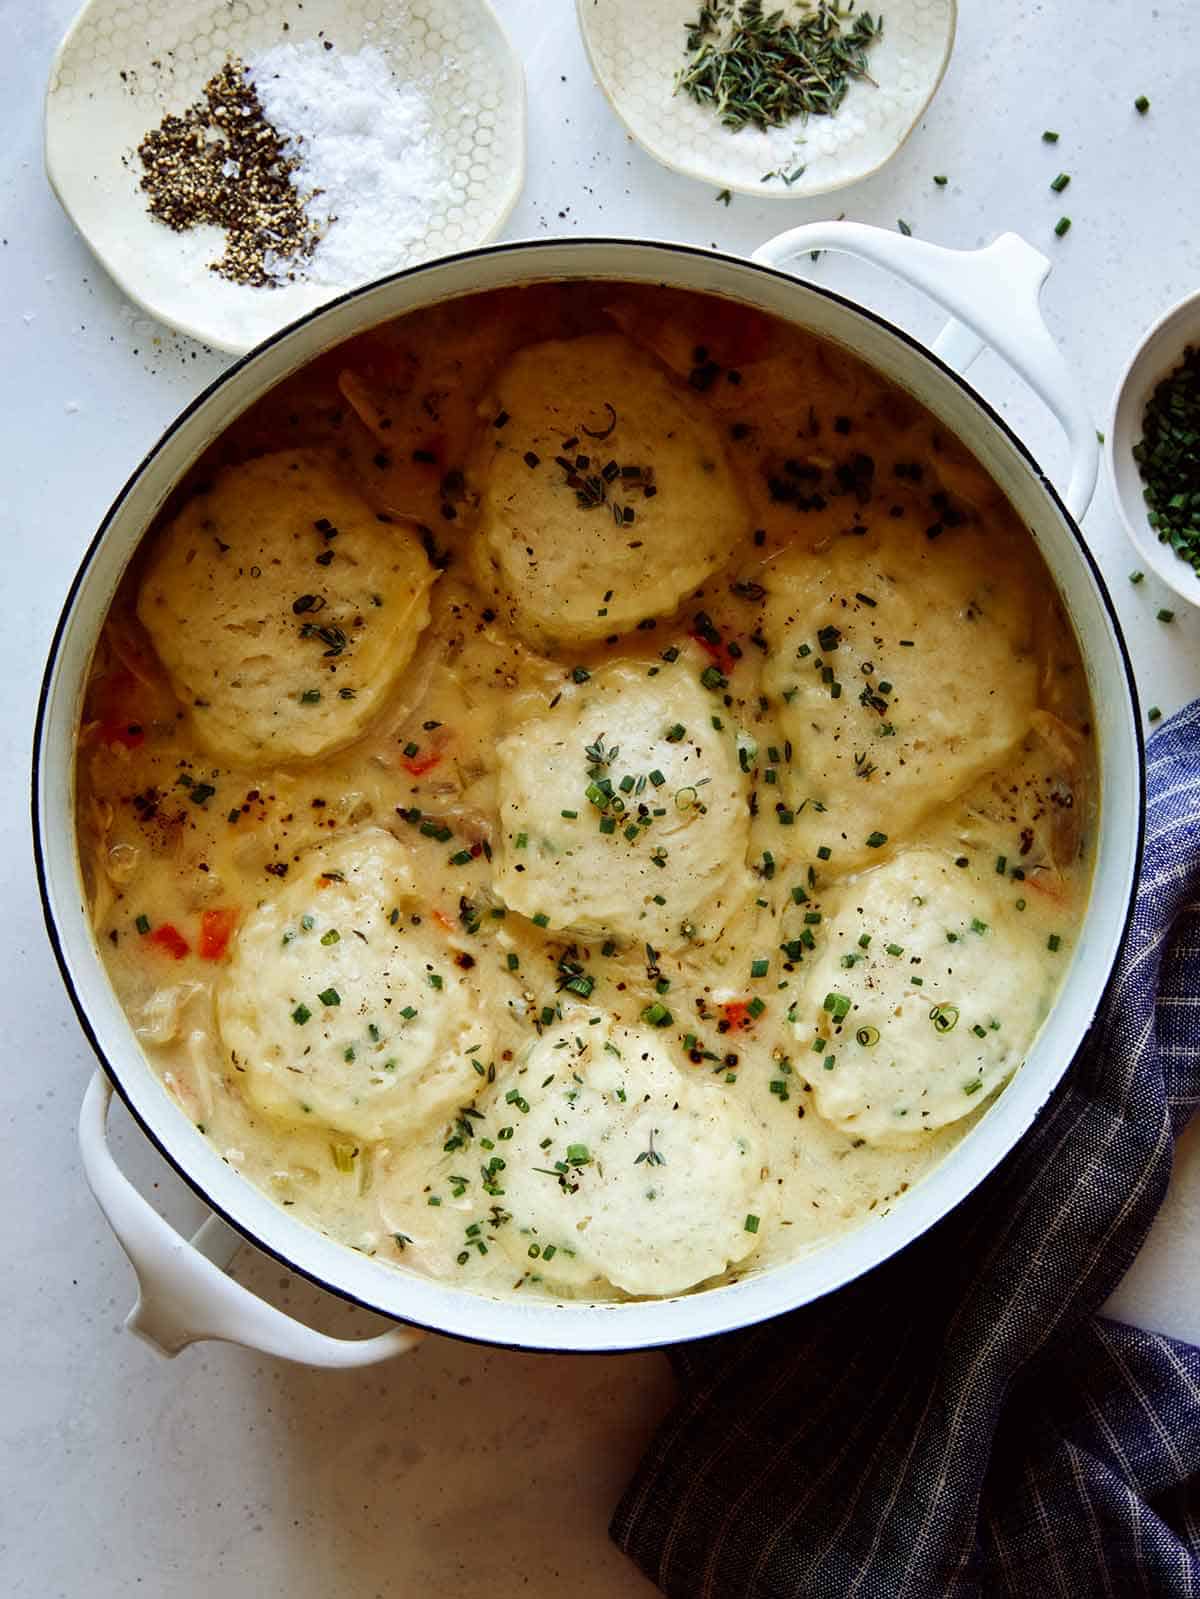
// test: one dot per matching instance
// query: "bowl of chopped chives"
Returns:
(1153, 448)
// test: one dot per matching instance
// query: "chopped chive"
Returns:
(1063, 225)
(759, 968)
(541, 919)
(940, 179)
(1153, 714)
(329, 996)
(837, 1005)
(514, 961)
(876, 840)
(1061, 182)
(1164, 615)
(1054, 943)
(657, 1014)
(751, 1224)
(895, 949)
(142, 924)
(1141, 105)
(1049, 137)
(1136, 577)
(301, 1014)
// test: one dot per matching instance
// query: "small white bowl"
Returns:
(636, 47)
(1155, 357)
(122, 67)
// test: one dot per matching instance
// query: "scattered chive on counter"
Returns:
(1168, 459)
(1063, 225)
(1061, 182)
(1153, 714)
(1141, 105)
(1049, 137)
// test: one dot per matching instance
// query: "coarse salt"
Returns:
(366, 151)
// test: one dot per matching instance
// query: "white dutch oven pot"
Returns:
(185, 1295)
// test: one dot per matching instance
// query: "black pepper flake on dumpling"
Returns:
(606, 497)
(271, 596)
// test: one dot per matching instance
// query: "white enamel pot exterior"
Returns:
(184, 1293)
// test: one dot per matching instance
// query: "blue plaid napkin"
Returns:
(960, 1421)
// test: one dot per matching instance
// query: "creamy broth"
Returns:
(585, 792)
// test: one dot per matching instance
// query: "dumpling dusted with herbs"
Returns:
(927, 990)
(606, 493)
(624, 1167)
(343, 1002)
(903, 670)
(283, 609)
(623, 810)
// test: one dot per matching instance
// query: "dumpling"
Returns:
(586, 533)
(626, 1168)
(623, 810)
(902, 670)
(927, 989)
(343, 1002)
(282, 608)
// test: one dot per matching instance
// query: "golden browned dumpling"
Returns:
(283, 609)
(903, 670)
(606, 494)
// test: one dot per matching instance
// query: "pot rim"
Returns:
(749, 1316)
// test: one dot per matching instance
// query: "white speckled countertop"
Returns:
(460, 1469)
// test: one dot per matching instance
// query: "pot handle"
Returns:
(993, 295)
(183, 1293)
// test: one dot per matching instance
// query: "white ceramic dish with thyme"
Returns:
(637, 48)
(1156, 357)
(121, 69)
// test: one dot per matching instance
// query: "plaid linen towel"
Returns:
(960, 1421)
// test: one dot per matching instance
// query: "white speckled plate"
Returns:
(126, 63)
(638, 46)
